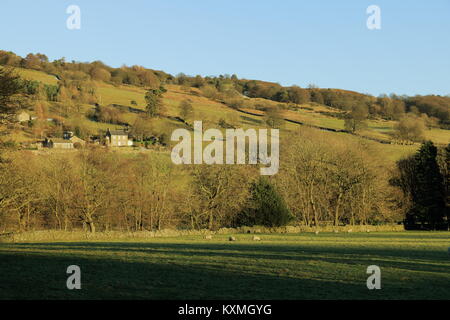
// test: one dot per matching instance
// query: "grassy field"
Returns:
(414, 265)
(37, 76)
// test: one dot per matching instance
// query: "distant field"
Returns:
(439, 136)
(414, 265)
(37, 75)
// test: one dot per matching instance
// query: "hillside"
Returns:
(205, 109)
(127, 102)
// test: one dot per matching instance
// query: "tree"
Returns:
(94, 186)
(153, 97)
(420, 179)
(410, 128)
(142, 128)
(20, 190)
(316, 96)
(31, 61)
(327, 178)
(274, 117)
(298, 95)
(210, 92)
(220, 191)
(186, 110)
(356, 119)
(57, 185)
(301, 180)
(198, 82)
(210, 183)
(445, 169)
(10, 89)
(148, 78)
(266, 207)
(100, 74)
(345, 173)
(146, 200)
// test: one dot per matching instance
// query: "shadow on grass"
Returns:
(43, 277)
(178, 271)
(249, 120)
(415, 260)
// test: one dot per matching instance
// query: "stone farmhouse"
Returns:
(118, 138)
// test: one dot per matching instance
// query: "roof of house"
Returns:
(118, 132)
(59, 140)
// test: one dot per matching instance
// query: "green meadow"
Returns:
(414, 265)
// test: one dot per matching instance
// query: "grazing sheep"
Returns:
(336, 231)
(231, 239)
(208, 237)
(317, 232)
(368, 231)
(255, 238)
(350, 231)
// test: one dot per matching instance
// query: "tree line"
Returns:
(323, 180)
(392, 107)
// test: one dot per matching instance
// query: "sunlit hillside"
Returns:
(130, 102)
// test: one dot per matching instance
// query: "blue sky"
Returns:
(286, 41)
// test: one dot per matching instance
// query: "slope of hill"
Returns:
(130, 101)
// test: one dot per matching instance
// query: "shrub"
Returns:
(266, 207)
(410, 127)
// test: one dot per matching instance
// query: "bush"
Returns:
(266, 207)
(410, 128)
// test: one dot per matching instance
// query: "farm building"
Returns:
(69, 136)
(118, 138)
(56, 143)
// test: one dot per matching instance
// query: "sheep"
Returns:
(255, 238)
(231, 239)
(208, 237)
(317, 232)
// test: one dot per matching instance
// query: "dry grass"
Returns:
(56, 235)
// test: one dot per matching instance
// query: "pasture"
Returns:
(414, 265)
